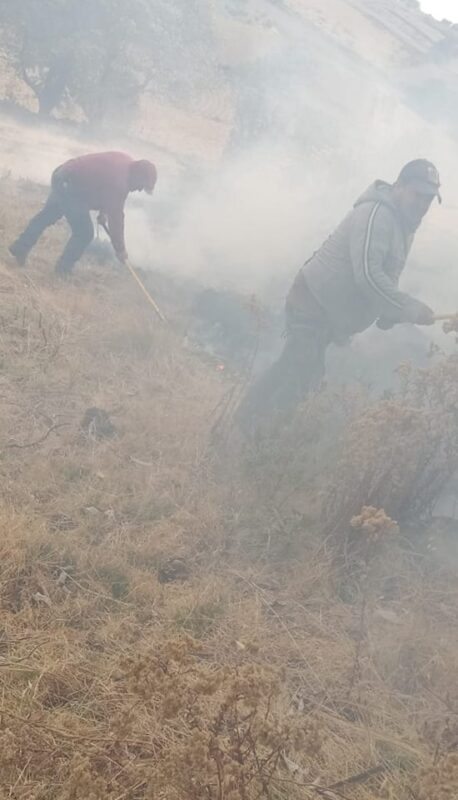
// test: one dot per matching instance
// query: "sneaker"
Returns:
(19, 255)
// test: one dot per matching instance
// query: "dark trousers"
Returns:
(63, 201)
(299, 370)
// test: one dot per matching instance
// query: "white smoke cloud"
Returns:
(251, 219)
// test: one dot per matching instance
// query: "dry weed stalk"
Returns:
(371, 527)
(439, 782)
(222, 736)
(400, 452)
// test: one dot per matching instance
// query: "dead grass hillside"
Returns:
(167, 628)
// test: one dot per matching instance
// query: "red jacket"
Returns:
(102, 180)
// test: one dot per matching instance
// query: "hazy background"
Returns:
(441, 9)
(280, 113)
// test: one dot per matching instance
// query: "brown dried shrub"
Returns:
(219, 729)
(400, 452)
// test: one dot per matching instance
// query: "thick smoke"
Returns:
(255, 216)
(311, 128)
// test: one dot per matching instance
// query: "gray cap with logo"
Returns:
(423, 176)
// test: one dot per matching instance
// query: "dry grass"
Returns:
(268, 670)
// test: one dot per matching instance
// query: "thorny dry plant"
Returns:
(220, 731)
(400, 452)
(371, 527)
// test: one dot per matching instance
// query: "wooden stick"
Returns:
(142, 286)
(444, 317)
(145, 291)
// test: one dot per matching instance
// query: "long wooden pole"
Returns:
(139, 282)
(145, 291)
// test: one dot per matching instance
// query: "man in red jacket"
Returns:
(98, 182)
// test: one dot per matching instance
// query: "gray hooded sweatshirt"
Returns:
(354, 275)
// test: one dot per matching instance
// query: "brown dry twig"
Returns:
(360, 777)
(37, 441)
(23, 658)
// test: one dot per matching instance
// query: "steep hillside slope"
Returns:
(185, 615)
(170, 627)
(348, 49)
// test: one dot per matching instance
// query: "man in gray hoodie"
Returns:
(347, 285)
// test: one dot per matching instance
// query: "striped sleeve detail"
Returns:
(366, 267)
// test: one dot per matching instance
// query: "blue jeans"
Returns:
(63, 201)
